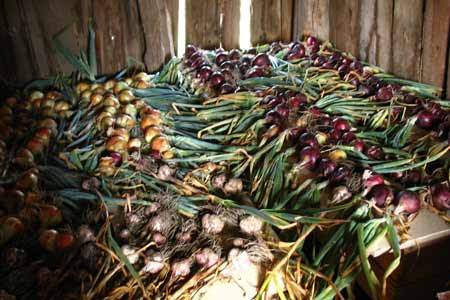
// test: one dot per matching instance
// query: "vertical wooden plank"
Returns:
(312, 18)
(407, 36)
(7, 65)
(230, 11)
(265, 19)
(344, 25)
(287, 17)
(172, 7)
(18, 30)
(435, 42)
(203, 23)
(447, 85)
(158, 39)
(375, 36)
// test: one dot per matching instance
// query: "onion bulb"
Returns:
(47, 239)
(64, 241)
(50, 215)
(407, 202)
(206, 258)
(440, 197)
(212, 224)
(251, 225)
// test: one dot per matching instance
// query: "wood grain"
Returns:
(156, 26)
(7, 64)
(172, 7)
(344, 29)
(312, 18)
(287, 19)
(435, 42)
(203, 23)
(375, 34)
(407, 38)
(230, 10)
(265, 21)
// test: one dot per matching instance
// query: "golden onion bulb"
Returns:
(119, 86)
(149, 120)
(128, 80)
(110, 109)
(168, 154)
(53, 95)
(151, 132)
(116, 144)
(95, 99)
(109, 85)
(125, 121)
(120, 132)
(106, 166)
(35, 95)
(111, 100)
(62, 106)
(130, 110)
(134, 144)
(106, 122)
(160, 144)
(126, 96)
(142, 76)
(81, 87)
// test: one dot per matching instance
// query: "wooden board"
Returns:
(435, 42)
(172, 7)
(230, 10)
(265, 21)
(312, 18)
(407, 38)
(203, 23)
(375, 34)
(287, 19)
(159, 45)
(7, 64)
(344, 29)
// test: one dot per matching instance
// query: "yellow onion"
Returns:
(47, 239)
(64, 241)
(160, 144)
(49, 123)
(28, 181)
(35, 95)
(116, 144)
(151, 132)
(24, 158)
(49, 216)
(5, 111)
(48, 112)
(134, 144)
(53, 95)
(111, 100)
(81, 87)
(111, 109)
(95, 99)
(43, 134)
(337, 155)
(62, 106)
(128, 80)
(119, 86)
(130, 110)
(109, 85)
(167, 154)
(142, 76)
(24, 106)
(11, 101)
(141, 84)
(107, 166)
(47, 103)
(104, 114)
(10, 228)
(32, 198)
(86, 94)
(36, 103)
(65, 114)
(125, 121)
(321, 137)
(150, 120)
(36, 146)
(126, 96)
(139, 104)
(120, 132)
(106, 122)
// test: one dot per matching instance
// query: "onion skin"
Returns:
(407, 202)
(381, 195)
(308, 157)
(425, 119)
(440, 197)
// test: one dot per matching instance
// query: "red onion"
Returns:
(309, 157)
(294, 133)
(381, 195)
(312, 41)
(358, 145)
(159, 239)
(340, 174)
(372, 179)
(247, 59)
(217, 79)
(343, 70)
(204, 73)
(308, 139)
(384, 94)
(197, 63)
(221, 57)
(365, 90)
(297, 100)
(283, 110)
(206, 258)
(348, 137)
(425, 119)
(440, 196)
(409, 99)
(295, 54)
(190, 49)
(375, 152)
(326, 167)
(320, 60)
(255, 72)
(413, 177)
(327, 65)
(273, 117)
(408, 202)
(235, 54)
(356, 66)
(267, 99)
(346, 61)
(226, 88)
(116, 158)
(341, 125)
(335, 135)
(261, 60)
(227, 65)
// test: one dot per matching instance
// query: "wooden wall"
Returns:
(407, 37)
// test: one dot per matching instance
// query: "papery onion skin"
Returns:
(440, 197)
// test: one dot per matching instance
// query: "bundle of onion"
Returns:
(46, 129)
(151, 124)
